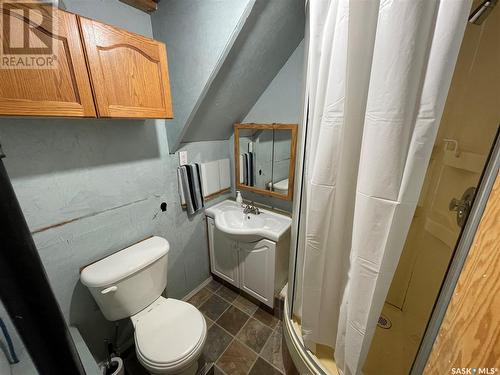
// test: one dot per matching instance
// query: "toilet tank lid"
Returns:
(124, 263)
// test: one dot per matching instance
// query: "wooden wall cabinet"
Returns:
(101, 70)
(128, 72)
(63, 91)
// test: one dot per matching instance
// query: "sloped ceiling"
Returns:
(282, 101)
(260, 44)
(270, 35)
(199, 34)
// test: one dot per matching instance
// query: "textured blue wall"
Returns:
(91, 187)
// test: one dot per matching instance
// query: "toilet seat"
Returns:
(169, 335)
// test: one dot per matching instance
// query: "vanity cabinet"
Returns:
(257, 268)
(224, 261)
(91, 69)
(62, 87)
(128, 72)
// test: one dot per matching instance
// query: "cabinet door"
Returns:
(223, 254)
(257, 269)
(59, 84)
(129, 72)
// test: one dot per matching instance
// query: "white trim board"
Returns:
(197, 289)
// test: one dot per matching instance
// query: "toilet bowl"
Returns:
(279, 187)
(169, 334)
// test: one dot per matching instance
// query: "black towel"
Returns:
(245, 164)
(190, 181)
(251, 174)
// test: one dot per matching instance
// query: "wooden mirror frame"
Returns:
(291, 171)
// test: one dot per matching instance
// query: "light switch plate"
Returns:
(183, 157)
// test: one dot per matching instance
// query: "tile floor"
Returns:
(242, 338)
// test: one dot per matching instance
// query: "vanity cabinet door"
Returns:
(223, 254)
(257, 269)
(129, 72)
(51, 79)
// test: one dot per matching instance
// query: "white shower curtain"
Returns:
(378, 73)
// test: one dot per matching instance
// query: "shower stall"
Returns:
(464, 140)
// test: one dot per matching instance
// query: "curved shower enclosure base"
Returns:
(303, 359)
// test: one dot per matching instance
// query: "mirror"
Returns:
(266, 158)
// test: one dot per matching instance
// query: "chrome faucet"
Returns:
(251, 209)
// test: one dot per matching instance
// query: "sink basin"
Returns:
(230, 219)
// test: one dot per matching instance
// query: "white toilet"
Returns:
(169, 334)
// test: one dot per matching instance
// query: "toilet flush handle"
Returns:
(110, 289)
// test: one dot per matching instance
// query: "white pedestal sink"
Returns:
(230, 219)
(249, 251)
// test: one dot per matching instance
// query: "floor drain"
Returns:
(384, 322)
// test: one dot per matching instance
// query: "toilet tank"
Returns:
(128, 281)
